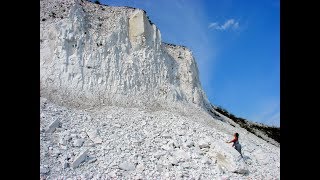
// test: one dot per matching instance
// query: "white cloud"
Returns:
(231, 23)
(228, 24)
(235, 25)
(213, 25)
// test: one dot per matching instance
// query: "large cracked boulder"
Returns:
(227, 158)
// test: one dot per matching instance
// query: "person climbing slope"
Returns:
(236, 143)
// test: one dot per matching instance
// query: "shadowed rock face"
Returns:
(94, 55)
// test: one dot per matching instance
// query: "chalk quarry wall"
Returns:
(96, 55)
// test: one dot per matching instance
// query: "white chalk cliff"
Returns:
(93, 55)
(118, 103)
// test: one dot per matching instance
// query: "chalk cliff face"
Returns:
(94, 55)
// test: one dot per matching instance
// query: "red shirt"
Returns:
(234, 140)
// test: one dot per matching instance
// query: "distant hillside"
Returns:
(260, 130)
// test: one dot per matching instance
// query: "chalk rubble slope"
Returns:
(140, 144)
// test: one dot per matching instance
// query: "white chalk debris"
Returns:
(52, 127)
(79, 159)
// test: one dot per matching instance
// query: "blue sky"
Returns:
(236, 45)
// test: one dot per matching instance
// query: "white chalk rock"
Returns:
(229, 159)
(118, 61)
(166, 135)
(206, 160)
(94, 136)
(169, 146)
(78, 142)
(203, 144)
(188, 143)
(127, 166)
(79, 159)
(52, 127)
(181, 155)
(92, 159)
(173, 160)
(140, 167)
(44, 170)
(159, 154)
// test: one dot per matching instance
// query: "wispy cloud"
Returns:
(270, 115)
(229, 24)
(274, 120)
